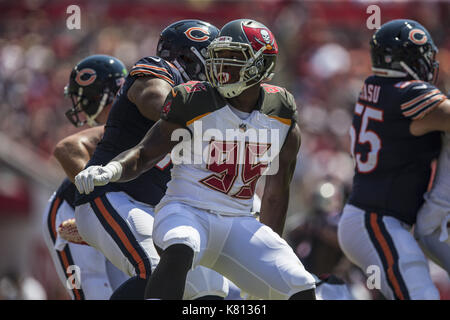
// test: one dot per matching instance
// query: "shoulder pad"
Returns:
(279, 103)
(154, 67)
(189, 101)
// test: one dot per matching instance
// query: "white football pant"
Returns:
(374, 242)
(121, 228)
(241, 248)
(83, 271)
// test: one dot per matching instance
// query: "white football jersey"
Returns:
(441, 183)
(219, 167)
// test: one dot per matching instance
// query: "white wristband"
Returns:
(116, 170)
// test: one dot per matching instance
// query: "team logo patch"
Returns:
(224, 39)
(86, 76)
(166, 107)
(197, 34)
(260, 37)
(418, 36)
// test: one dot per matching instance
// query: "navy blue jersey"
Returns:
(66, 191)
(125, 128)
(393, 167)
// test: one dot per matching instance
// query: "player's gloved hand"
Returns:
(94, 176)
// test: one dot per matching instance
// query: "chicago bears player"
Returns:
(395, 137)
(204, 217)
(117, 219)
(93, 83)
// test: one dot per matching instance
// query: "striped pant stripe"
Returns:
(113, 223)
(384, 245)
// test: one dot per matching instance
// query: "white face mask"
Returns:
(249, 74)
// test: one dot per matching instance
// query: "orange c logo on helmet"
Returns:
(192, 37)
(86, 76)
(417, 36)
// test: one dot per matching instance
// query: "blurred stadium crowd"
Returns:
(324, 57)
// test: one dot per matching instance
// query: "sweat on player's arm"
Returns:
(128, 165)
(276, 191)
(73, 152)
(436, 120)
(155, 145)
(148, 94)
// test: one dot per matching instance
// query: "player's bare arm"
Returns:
(148, 94)
(276, 191)
(156, 144)
(436, 120)
(73, 152)
(128, 165)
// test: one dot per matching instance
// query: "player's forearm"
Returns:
(273, 211)
(135, 161)
(72, 157)
(154, 146)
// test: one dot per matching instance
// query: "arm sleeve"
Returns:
(419, 98)
(174, 108)
(292, 113)
(153, 67)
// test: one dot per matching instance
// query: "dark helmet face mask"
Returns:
(93, 84)
(73, 113)
(89, 108)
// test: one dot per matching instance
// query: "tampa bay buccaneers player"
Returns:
(117, 219)
(397, 123)
(205, 216)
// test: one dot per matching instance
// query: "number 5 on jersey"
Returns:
(366, 136)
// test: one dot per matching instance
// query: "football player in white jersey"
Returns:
(433, 219)
(240, 129)
(117, 220)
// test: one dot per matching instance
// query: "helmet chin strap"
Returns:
(198, 55)
(181, 69)
(409, 70)
(389, 73)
